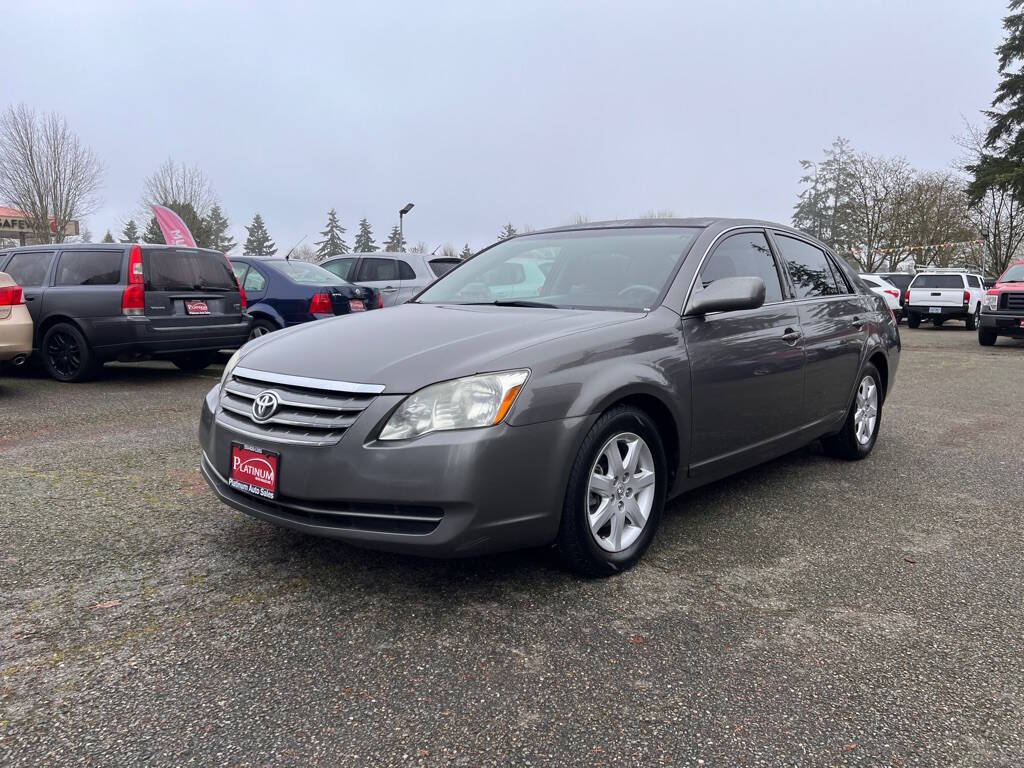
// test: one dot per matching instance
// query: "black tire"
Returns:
(845, 444)
(194, 361)
(937, 322)
(973, 321)
(913, 320)
(67, 355)
(986, 337)
(576, 543)
(261, 327)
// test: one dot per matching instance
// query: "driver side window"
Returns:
(744, 255)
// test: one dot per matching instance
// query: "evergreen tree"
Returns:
(466, 252)
(130, 233)
(108, 238)
(507, 232)
(215, 228)
(1001, 165)
(258, 243)
(395, 241)
(364, 239)
(84, 235)
(333, 243)
(153, 233)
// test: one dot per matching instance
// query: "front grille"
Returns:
(1013, 300)
(311, 411)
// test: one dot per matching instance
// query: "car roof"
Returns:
(94, 246)
(722, 222)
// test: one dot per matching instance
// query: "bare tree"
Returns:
(998, 216)
(176, 184)
(304, 252)
(45, 171)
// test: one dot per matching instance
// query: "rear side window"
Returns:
(938, 281)
(808, 266)
(254, 281)
(340, 267)
(378, 269)
(28, 269)
(405, 272)
(744, 255)
(442, 266)
(842, 285)
(973, 281)
(871, 281)
(177, 269)
(89, 268)
(239, 269)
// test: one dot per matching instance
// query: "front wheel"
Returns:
(615, 494)
(67, 355)
(986, 337)
(857, 437)
(973, 321)
(913, 320)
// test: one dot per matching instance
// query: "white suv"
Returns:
(944, 294)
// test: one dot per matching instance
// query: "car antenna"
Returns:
(289, 254)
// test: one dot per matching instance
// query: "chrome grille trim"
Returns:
(308, 383)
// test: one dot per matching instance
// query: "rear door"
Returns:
(31, 270)
(87, 283)
(188, 287)
(834, 320)
(937, 291)
(381, 273)
(412, 281)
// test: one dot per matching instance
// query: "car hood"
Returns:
(409, 346)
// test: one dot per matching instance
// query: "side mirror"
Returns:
(728, 294)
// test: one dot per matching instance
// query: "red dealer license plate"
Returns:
(197, 307)
(254, 470)
(356, 305)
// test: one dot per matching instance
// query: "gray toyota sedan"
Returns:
(556, 388)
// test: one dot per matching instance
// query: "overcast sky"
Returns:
(486, 112)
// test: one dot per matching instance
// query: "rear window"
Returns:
(441, 266)
(89, 268)
(938, 281)
(900, 279)
(185, 269)
(304, 272)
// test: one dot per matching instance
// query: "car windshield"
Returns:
(303, 272)
(1014, 274)
(624, 269)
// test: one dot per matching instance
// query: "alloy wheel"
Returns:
(865, 414)
(64, 354)
(259, 330)
(620, 493)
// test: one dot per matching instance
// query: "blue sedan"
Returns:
(282, 293)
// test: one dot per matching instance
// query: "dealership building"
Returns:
(14, 225)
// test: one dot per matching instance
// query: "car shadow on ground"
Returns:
(148, 371)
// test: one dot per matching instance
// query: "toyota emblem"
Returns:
(265, 405)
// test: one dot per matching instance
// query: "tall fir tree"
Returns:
(130, 233)
(258, 243)
(1001, 165)
(395, 241)
(466, 252)
(153, 233)
(333, 243)
(364, 238)
(215, 227)
(108, 238)
(507, 232)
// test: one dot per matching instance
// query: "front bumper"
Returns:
(16, 333)
(446, 494)
(115, 336)
(1003, 323)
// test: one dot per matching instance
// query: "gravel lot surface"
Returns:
(807, 612)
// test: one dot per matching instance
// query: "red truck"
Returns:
(1002, 313)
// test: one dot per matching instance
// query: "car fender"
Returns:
(266, 310)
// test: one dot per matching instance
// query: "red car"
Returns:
(1003, 311)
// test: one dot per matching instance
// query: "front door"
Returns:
(746, 367)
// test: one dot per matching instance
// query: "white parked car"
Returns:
(945, 294)
(398, 276)
(886, 290)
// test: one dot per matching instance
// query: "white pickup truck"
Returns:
(944, 294)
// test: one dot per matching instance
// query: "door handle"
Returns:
(791, 336)
(28, 298)
(388, 289)
(857, 322)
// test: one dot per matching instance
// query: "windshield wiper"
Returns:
(204, 287)
(511, 303)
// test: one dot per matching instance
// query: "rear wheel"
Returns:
(615, 495)
(937, 322)
(857, 437)
(67, 355)
(261, 327)
(973, 321)
(986, 337)
(913, 320)
(194, 361)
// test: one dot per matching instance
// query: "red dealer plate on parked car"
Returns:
(254, 470)
(197, 307)
(356, 305)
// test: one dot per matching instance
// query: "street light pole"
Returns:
(401, 214)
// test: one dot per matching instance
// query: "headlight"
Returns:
(475, 401)
(232, 362)
(992, 301)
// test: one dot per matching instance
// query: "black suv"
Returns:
(97, 302)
